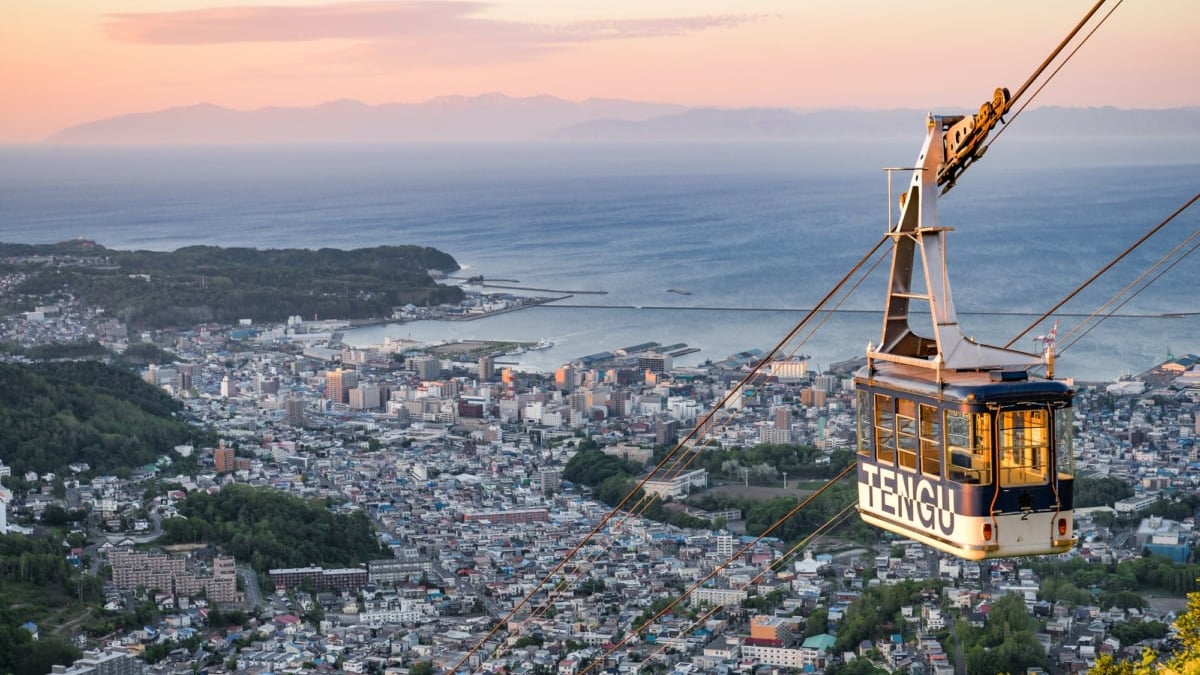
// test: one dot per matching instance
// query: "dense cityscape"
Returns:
(239, 444)
(469, 475)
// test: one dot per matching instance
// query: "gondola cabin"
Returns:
(961, 445)
(979, 466)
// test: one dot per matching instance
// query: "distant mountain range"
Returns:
(496, 117)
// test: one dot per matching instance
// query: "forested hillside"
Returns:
(207, 283)
(37, 585)
(270, 529)
(57, 413)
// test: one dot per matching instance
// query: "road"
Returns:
(493, 608)
(250, 583)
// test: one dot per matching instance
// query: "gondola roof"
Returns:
(977, 386)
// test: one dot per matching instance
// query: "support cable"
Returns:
(703, 424)
(716, 570)
(647, 499)
(1041, 68)
(1161, 262)
(770, 567)
(658, 467)
(1104, 269)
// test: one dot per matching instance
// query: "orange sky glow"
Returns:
(64, 62)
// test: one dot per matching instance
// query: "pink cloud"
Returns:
(347, 20)
(401, 22)
(636, 28)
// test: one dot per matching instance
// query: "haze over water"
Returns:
(741, 227)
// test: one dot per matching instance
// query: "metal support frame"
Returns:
(917, 233)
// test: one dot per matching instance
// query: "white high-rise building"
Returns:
(724, 546)
(5, 497)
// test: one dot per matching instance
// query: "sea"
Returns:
(724, 247)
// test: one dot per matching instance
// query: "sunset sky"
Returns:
(64, 62)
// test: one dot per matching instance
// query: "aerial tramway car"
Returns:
(961, 445)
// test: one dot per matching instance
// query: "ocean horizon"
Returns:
(721, 246)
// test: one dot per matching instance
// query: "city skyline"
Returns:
(71, 64)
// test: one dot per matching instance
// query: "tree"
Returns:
(1184, 660)
(527, 640)
(856, 667)
(817, 622)
(272, 529)
(1007, 643)
(1133, 632)
(1105, 491)
(58, 413)
(592, 468)
(203, 283)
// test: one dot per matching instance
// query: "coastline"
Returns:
(577, 331)
(380, 321)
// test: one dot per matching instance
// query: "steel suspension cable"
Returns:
(648, 499)
(823, 320)
(1056, 51)
(658, 467)
(970, 141)
(716, 570)
(1121, 295)
(1195, 235)
(835, 520)
(775, 351)
(1040, 69)
(1105, 269)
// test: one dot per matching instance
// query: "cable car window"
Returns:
(885, 429)
(906, 433)
(864, 425)
(931, 441)
(1024, 447)
(968, 447)
(981, 446)
(1064, 446)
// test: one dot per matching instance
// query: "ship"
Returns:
(542, 344)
